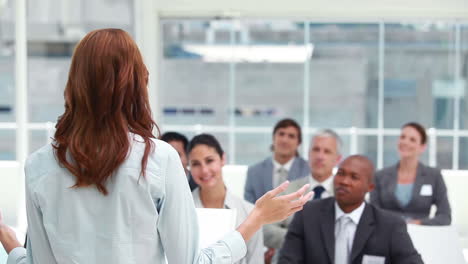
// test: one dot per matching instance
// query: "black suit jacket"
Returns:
(311, 236)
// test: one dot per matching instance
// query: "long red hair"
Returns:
(106, 99)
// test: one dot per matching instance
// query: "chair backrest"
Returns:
(457, 182)
(437, 244)
(3, 255)
(234, 177)
(11, 186)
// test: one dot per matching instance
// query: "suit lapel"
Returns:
(392, 183)
(363, 231)
(268, 175)
(418, 182)
(327, 222)
(294, 172)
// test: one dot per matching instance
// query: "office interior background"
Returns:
(234, 68)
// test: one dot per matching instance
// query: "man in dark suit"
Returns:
(324, 155)
(346, 230)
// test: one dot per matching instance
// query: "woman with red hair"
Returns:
(107, 191)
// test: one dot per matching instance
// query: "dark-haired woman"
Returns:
(107, 191)
(410, 188)
(207, 158)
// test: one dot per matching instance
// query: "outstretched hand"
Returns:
(8, 236)
(273, 207)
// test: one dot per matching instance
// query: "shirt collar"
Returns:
(327, 184)
(287, 166)
(355, 215)
(229, 201)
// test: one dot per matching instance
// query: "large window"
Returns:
(237, 78)
(52, 35)
(7, 82)
(54, 28)
(242, 76)
(462, 80)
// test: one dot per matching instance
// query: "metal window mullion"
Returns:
(432, 133)
(232, 99)
(353, 141)
(380, 114)
(456, 105)
(21, 77)
(148, 37)
(306, 90)
(21, 102)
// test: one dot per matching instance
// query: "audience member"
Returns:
(179, 142)
(207, 159)
(409, 188)
(344, 229)
(324, 155)
(285, 164)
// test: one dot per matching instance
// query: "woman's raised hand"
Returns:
(273, 207)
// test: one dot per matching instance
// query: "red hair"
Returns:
(106, 99)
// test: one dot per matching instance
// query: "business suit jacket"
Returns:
(260, 177)
(274, 233)
(311, 236)
(419, 206)
(259, 181)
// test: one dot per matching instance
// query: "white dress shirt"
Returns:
(141, 220)
(276, 166)
(243, 208)
(327, 184)
(355, 216)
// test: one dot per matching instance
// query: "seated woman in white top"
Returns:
(206, 159)
(107, 191)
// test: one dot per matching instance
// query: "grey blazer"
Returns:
(274, 233)
(259, 181)
(260, 177)
(420, 205)
(311, 236)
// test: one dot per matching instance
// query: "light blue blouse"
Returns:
(403, 193)
(141, 220)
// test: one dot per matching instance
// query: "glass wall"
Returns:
(463, 81)
(7, 82)
(237, 78)
(324, 75)
(54, 29)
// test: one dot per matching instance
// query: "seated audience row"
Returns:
(408, 188)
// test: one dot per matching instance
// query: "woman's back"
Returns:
(120, 199)
(83, 226)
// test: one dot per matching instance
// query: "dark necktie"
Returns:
(318, 190)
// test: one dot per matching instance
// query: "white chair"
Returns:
(3, 255)
(457, 182)
(437, 244)
(234, 177)
(11, 186)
